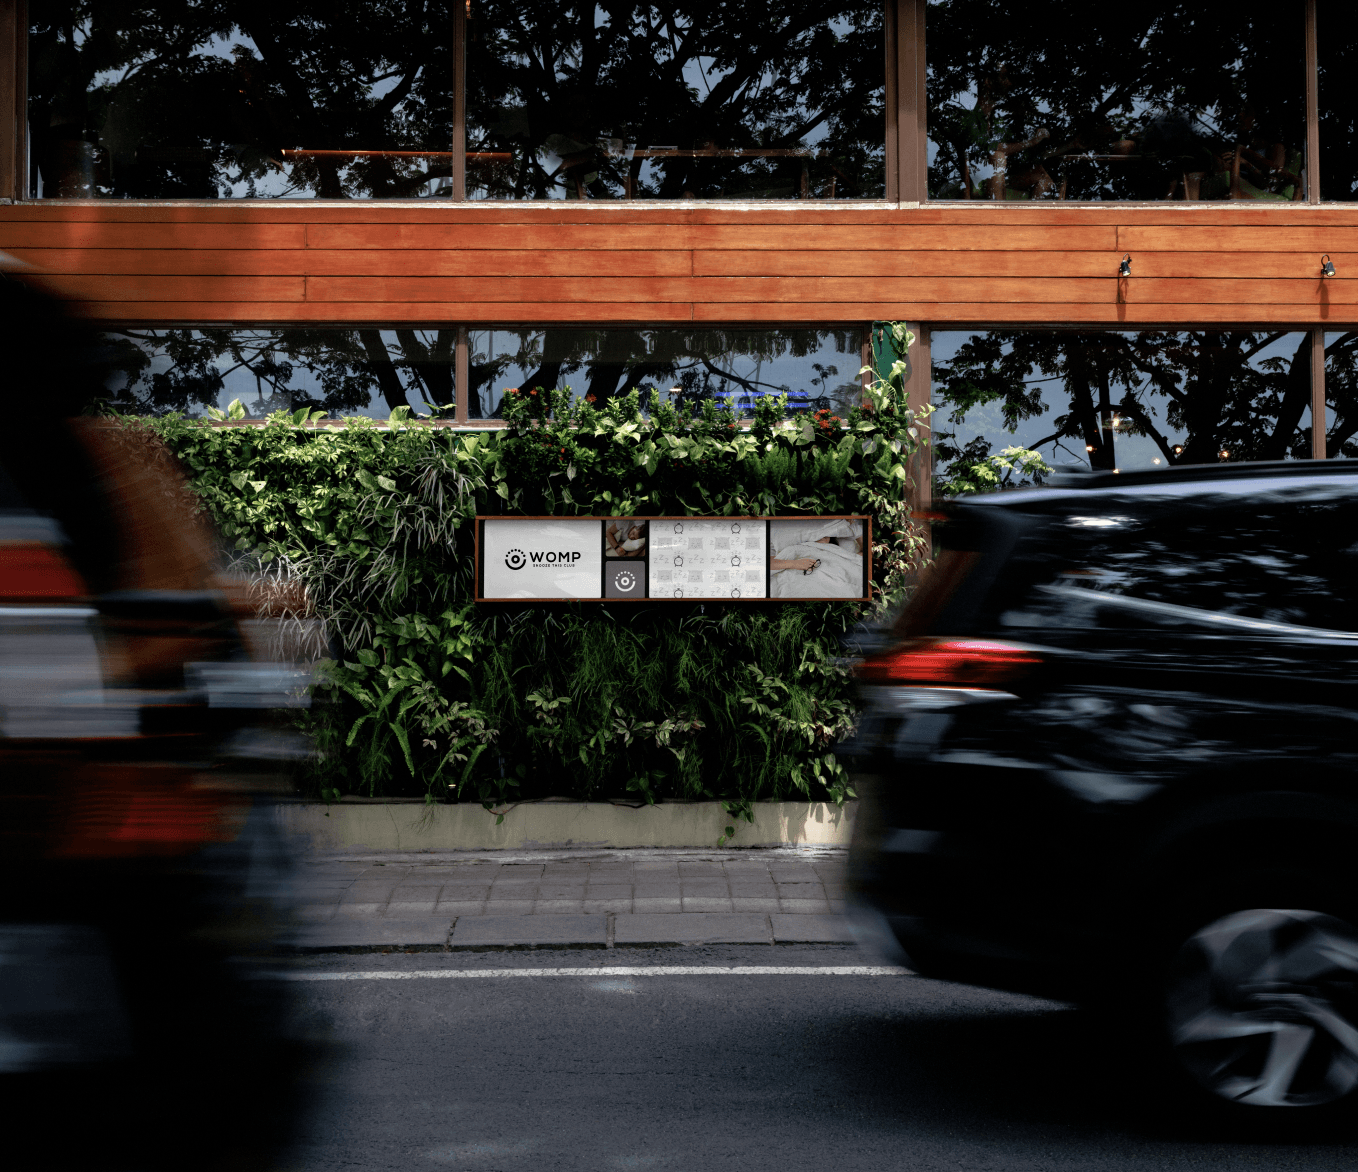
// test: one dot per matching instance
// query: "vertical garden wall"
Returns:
(429, 692)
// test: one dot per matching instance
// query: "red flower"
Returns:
(532, 392)
(591, 399)
(511, 390)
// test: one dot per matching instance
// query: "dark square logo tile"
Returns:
(625, 580)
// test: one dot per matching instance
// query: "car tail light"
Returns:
(950, 663)
(131, 815)
(33, 572)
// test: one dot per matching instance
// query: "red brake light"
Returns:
(32, 572)
(130, 816)
(953, 663)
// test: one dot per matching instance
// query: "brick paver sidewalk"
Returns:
(580, 898)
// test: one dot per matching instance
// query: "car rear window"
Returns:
(1274, 561)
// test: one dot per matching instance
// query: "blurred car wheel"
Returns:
(1261, 1008)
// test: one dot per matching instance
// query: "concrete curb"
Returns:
(496, 933)
(405, 826)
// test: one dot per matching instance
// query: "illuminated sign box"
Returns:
(675, 559)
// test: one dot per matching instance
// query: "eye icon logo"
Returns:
(625, 580)
(515, 559)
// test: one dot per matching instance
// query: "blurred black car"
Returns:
(143, 886)
(1110, 754)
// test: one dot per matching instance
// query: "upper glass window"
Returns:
(213, 99)
(748, 99)
(1132, 101)
(1336, 59)
(816, 368)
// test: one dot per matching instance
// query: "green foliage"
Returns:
(977, 470)
(431, 693)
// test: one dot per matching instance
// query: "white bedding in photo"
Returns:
(788, 533)
(839, 575)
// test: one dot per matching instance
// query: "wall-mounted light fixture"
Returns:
(1326, 266)
(1125, 268)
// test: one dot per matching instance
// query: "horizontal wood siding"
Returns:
(943, 264)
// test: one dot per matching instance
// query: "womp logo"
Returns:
(515, 559)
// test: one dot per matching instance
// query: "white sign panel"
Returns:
(541, 559)
(707, 559)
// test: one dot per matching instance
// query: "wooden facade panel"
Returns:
(113, 234)
(174, 288)
(871, 266)
(754, 235)
(631, 264)
(578, 263)
(1309, 291)
(383, 312)
(422, 212)
(1256, 238)
(944, 316)
(719, 290)
(355, 262)
(1212, 213)
(1246, 265)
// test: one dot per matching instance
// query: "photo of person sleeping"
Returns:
(816, 559)
(625, 539)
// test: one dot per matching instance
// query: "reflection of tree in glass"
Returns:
(702, 364)
(1137, 100)
(336, 370)
(1210, 384)
(200, 98)
(570, 88)
(1336, 63)
(1341, 393)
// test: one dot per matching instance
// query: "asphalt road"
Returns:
(711, 1071)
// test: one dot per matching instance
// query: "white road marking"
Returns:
(694, 970)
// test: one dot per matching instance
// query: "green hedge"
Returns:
(433, 694)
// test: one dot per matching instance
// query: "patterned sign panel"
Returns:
(709, 559)
(673, 558)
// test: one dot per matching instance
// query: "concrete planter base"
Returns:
(412, 826)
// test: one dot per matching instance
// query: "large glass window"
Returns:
(341, 371)
(748, 99)
(1136, 100)
(207, 99)
(1121, 400)
(370, 371)
(1341, 394)
(815, 368)
(1337, 57)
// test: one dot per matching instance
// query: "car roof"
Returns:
(1261, 478)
